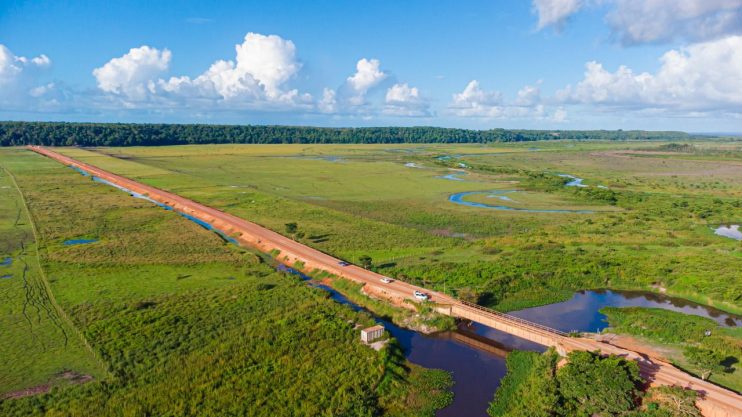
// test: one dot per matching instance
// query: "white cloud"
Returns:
(368, 75)
(350, 97)
(328, 103)
(529, 95)
(13, 67)
(270, 60)
(652, 21)
(703, 76)
(257, 77)
(20, 85)
(403, 100)
(555, 12)
(263, 65)
(642, 21)
(131, 75)
(475, 102)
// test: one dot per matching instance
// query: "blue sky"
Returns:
(476, 64)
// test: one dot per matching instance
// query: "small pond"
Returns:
(6, 262)
(79, 242)
(731, 231)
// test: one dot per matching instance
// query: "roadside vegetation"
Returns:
(159, 300)
(697, 344)
(587, 385)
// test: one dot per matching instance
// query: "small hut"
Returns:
(372, 333)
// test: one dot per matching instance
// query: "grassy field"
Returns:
(159, 299)
(38, 342)
(651, 229)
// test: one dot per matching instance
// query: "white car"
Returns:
(386, 280)
(421, 296)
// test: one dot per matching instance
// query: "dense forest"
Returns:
(106, 134)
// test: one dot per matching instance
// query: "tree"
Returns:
(529, 389)
(365, 261)
(708, 360)
(594, 385)
(678, 402)
(468, 294)
(291, 228)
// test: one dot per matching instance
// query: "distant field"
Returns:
(651, 229)
(183, 323)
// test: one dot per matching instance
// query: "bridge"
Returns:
(713, 401)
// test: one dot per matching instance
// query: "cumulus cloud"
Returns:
(368, 75)
(702, 76)
(257, 76)
(328, 103)
(403, 100)
(475, 102)
(262, 66)
(13, 67)
(643, 21)
(351, 96)
(132, 74)
(555, 12)
(20, 80)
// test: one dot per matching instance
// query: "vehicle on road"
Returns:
(386, 280)
(421, 296)
(343, 263)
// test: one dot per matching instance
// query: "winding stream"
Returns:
(458, 198)
(475, 354)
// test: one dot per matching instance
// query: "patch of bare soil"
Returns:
(643, 347)
(449, 233)
(70, 377)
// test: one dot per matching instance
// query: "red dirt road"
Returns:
(714, 401)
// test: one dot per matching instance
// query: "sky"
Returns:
(541, 64)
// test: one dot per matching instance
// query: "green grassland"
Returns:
(38, 342)
(651, 229)
(158, 299)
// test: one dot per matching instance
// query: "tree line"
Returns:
(131, 134)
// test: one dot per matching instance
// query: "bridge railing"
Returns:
(518, 320)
